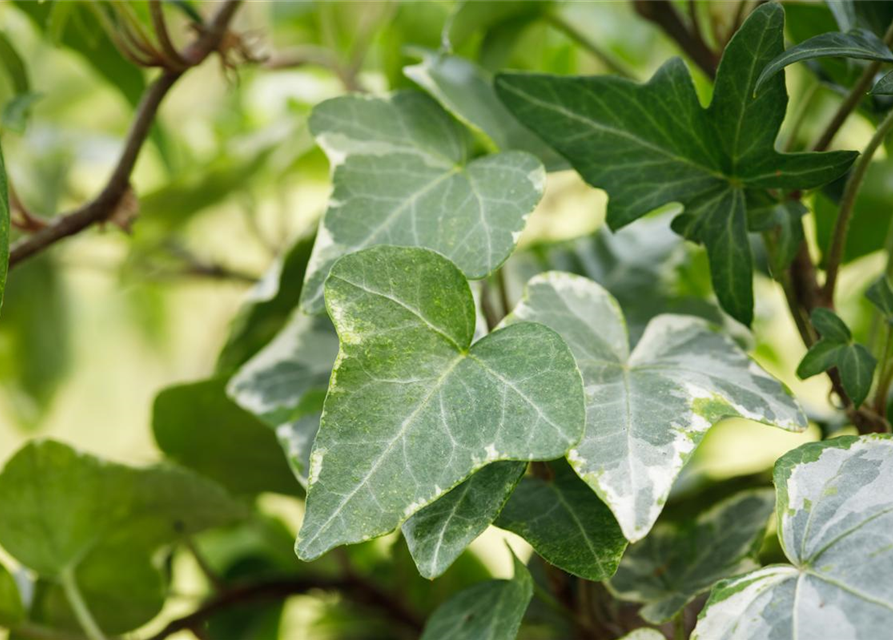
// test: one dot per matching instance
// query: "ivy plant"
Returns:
(548, 332)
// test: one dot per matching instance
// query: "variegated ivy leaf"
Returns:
(466, 90)
(677, 561)
(299, 360)
(566, 523)
(413, 408)
(404, 175)
(488, 611)
(296, 439)
(652, 144)
(644, 634)
(835, 518)
(439, 533)
(646, 411)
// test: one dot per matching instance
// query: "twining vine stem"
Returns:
(848, 202)
(79, 606)
(104, 205)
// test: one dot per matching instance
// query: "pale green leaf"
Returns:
(565, 523)
(646, 411)
(678, 561)
(439, 533)
(413, 408)
(835, 515)
(644, 634)
(488, 611)
(66, 511)
(466, 90)
(859, 44)
(196, 425)
(12, 611)
(403, 176)
(652, 144)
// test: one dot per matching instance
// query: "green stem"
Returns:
(848, 202)
(584, 41)
(78, 606)
(679, 626)
(853, 98)
(886, 375)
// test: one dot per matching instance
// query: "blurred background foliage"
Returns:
(229, 188)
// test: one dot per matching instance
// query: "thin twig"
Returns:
(847, 204)
(358, 590)
(854, 97)
(104, 205)
(173, 58)
(663, 14)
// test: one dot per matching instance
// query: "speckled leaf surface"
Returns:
(403, 175)
(646, 411)
(439, 533)
(413, 409)
(835, 514)
(652, 144)
(677, 561)
(488, 611)
(566, 523)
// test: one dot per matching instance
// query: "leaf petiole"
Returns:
(78, 605)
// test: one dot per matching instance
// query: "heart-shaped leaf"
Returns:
(413, 408)
(403, 175)
(439, 533)
(835, 520)
(677, 561)
(652, 144)
(566, 523)
(646, 411)
(488, 611)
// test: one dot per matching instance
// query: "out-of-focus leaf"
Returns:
(81, 32)
(677, 561)
(491, 610)
(14, 65)
(439, 533)
(16, 111)
(69, 513)
(267, 308)
(12, 611)
(641, 265)
(466, 90)
(474, 16)
(198, 426)
(880, 293)
(34, 339)
(783, 220)
(566, 523)
(4, 228)
(871, 215)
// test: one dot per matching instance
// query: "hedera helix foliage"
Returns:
(415, 377)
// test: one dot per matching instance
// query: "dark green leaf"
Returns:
(652, 144)
(837, 349)
(413, 408)
(487, 611)
(860, 44)
(881, 295)
(884, 86)
(566, 523)
(198, 426)
(440, 532)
